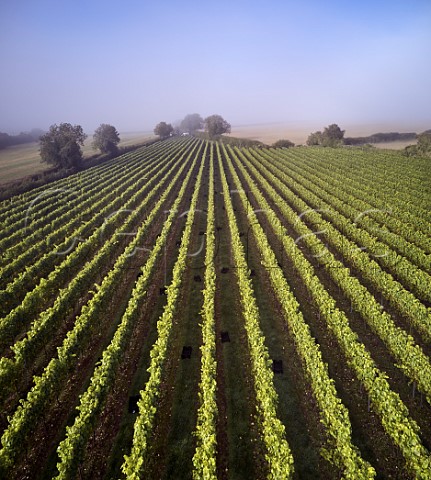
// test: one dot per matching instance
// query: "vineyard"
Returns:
(192, 310)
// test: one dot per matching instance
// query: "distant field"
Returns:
(22, 160)
(270, 133)
(399, 145)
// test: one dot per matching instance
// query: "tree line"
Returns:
(213, 125)
(7, 140)
(422, 147)
(61, 145)
(380, 138)
(333, 136)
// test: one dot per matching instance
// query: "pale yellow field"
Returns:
(19, 161)
(22, 160)
(399, 145)
(272, 132)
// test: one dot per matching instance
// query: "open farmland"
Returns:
(21, 160)
(271, 132)
(193, 310)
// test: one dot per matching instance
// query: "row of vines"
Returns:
(333, 240)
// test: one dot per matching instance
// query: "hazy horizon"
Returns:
(305, 64)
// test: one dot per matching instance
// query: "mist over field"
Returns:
(297, 64)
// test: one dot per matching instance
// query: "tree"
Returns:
(106, 139)
(314, 139)
(176, 131)
(424, 143)
(411, 151)
(191, 123)
(332, 136)
(283, 144)
(163, 129)
(422, 147)
(60, 146)
(216, 125)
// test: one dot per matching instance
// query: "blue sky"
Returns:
(135, 63)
